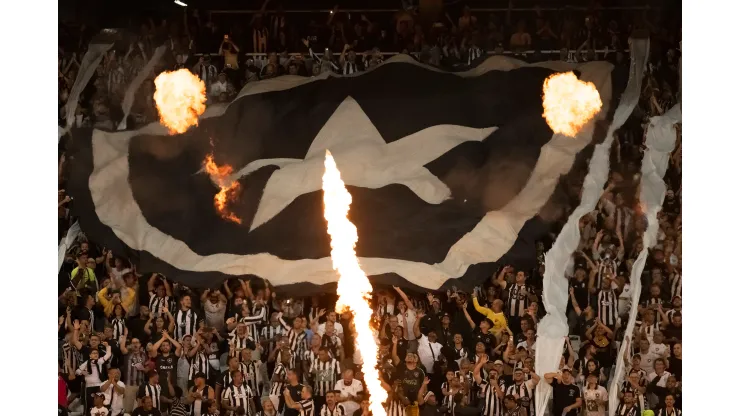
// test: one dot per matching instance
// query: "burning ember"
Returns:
(569, 103)
(221, 175)
(353, 288)
(181, 98)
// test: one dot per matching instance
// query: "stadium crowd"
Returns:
(145, 345)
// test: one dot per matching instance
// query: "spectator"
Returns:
(567, 399)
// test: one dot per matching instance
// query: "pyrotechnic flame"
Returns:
(221, 175)
(569, 103)
(353, 288)
(181, 98)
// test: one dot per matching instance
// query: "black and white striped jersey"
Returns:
(277, 387)
(254, 321)
(119, 325)
(270, 332)
(395, 408)
(71, 358)
(238, 396)
(607, 307)
(185, 323)
(664, 412)
(525, 392)
(675, 281)
(492, 403)
(199, 364)
(474, 53)
(155, 392)
(338, 410)
(132, 376)
(249, 370)
(623, 410)
(156, 304)
(197, 408)
(307, 407)
(239, 344)
(325, 375)
(517, 300)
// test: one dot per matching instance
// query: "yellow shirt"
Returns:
(90, 273)
(498, 318)
(126, 300)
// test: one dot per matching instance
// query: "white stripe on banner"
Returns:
(128, 99)
(90, 62)
(661, 140)
(67, 241)
(553, 328)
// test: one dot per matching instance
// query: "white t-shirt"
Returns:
(658, 349)
(428, 353)
(117, 398)
(410, 320)
(594, 401)
(95, 411)
(338, 330)
(663, 378)
(346, 391)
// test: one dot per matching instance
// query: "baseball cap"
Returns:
(498, 362)
(566, 368)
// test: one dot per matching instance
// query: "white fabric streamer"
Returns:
(128, 99)
(661, 140)
(553, 328)
(90, 62)
(67, 241)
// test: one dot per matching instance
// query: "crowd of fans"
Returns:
(229, 51)
(145, 345)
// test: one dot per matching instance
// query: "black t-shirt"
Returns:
(141, 412)
(295, 393)
(487, 339)
(564, 396)
(411, 380)
(166, 368)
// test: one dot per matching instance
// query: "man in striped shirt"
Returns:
(518, 299)
(324, 371)
(225, 380)
(185, 319)
(271, 334)
(607, 301)
(237, 396)
(160, 296)
(522, 390)
(134, 371)
(305, 406)
(332, 408)
(296, 335)
(491, 391)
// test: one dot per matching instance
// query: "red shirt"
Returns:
(62, 392)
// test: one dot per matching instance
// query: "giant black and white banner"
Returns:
(448, 173)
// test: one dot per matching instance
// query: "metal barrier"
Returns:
(483, 10)
(571, 52)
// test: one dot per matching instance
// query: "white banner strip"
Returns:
(553, 328)
(661, 140)
(67, 241)
(90, 62)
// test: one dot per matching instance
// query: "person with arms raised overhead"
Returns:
(566, 395)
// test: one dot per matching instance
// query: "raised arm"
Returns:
(405, 298)
(467, 316)
(481, 309)
(417, 331)
(394, 351)
(150, 282)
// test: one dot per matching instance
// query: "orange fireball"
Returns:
(228, 187)
(569, 103)
(181, 98)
